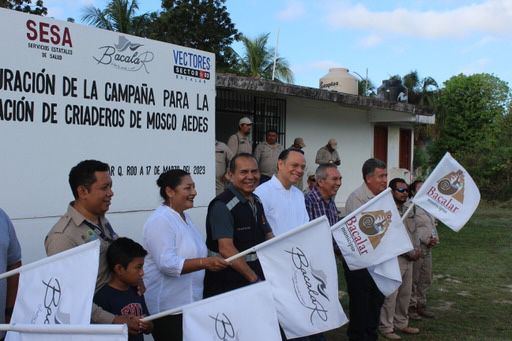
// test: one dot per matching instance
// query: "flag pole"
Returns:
(180, 309)
(275, 239)
(46, 260)
(173, 311)
(112, 329)
(409, 209)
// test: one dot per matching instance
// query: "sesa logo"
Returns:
(224, 329)
(125, 55)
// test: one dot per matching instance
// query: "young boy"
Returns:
(125, 259)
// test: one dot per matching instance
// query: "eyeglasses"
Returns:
(402, 190)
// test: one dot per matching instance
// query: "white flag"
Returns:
(58, 289)
(372, 234)
(246, 314)
(106, 332)
(301, 267)
(386, 276)
(449, 194)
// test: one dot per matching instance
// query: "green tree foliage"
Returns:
(258, 60)
(27, 6)
(200, 24)
(474, 124)
(119, 16)
(365, 87)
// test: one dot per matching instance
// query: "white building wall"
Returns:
(393, 147)
(317, 122)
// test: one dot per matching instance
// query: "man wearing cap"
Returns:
(266, 153)
(298, 143)
(240, 142)
(328, 154)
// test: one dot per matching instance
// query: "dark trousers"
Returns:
(365, 301)
(168, 328)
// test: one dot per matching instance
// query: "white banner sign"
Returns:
(449, 194)
(58, 290)
(72, 92)
(246, 314)
(301, 267)
(372, 234)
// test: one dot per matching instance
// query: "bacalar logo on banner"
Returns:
(224, 329)
(451, 185)
(309, 284)
(449, 193)
(375, 224)
(48, 311)
(125, 55)
(191, 65)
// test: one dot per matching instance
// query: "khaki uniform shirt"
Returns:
(222, 157)
(358, 198)
(70, 231)
(267, 156)
(323, 156)
(239, 144)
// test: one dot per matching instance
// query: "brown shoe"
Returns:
(426, 313)
(410, 330)
(391, 336)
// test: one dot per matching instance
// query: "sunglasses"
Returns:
(402, 190)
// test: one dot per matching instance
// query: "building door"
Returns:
(405, 157)
(380, 143)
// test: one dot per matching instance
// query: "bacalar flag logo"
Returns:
(372, 234)
(375, 224)
(453, 184)
(449, 194)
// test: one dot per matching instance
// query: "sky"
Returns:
(436, 38)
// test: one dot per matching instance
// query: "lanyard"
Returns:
(101, 233)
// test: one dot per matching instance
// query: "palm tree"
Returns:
(119, 16)
(420, 91)
(258, 60)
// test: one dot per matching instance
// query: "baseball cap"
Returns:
(299, 141)
(245, 120)
(333, 143)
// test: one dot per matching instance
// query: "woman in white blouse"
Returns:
(177, 255)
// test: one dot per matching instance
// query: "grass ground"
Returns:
(471, 293)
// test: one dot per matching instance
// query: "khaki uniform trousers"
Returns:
(421, 278)
(394, 311)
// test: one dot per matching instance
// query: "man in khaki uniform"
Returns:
(222, 157)
(328, 154)
(267, 153)
(422, 268)
(85, 221)
(240, 142)
(365, 299)
(394, 311)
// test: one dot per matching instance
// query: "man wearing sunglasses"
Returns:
(394, 312)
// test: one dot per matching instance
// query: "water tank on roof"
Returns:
(338, 79)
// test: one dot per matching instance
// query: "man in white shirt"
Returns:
(284, 203)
